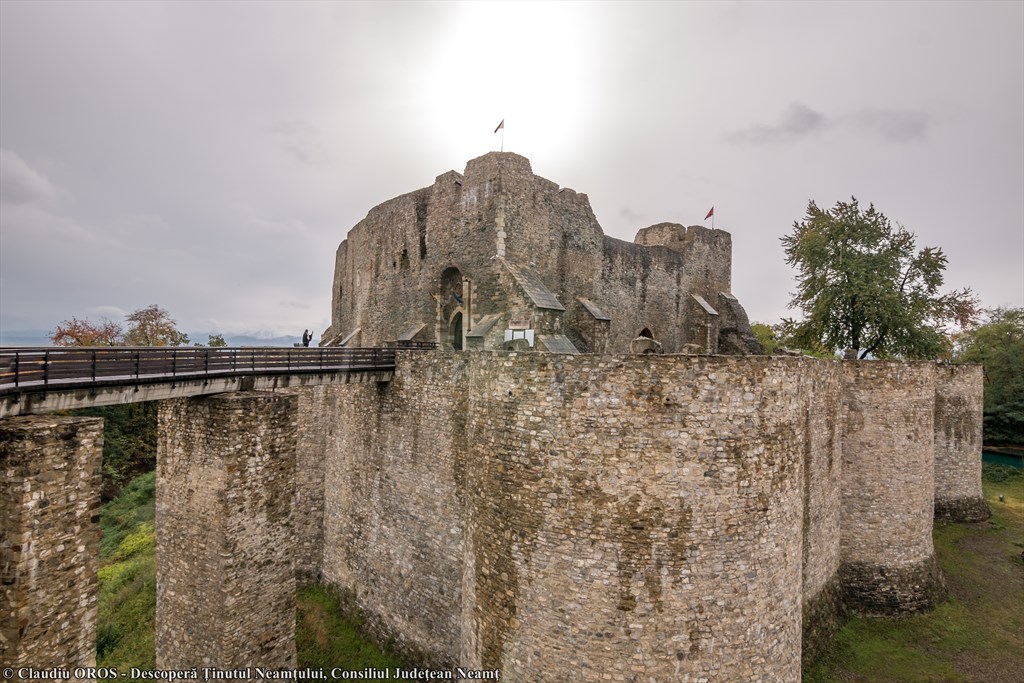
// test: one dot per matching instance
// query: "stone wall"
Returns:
(225, 544)
(888, 475)
(823, 611)
(394, 510)
(50, 477)
(635, 518)
(560, 516)
(958, 426)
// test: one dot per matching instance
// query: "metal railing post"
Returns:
(17, 367)
(174, 362)
(138, 362)
(46, 368)
(94, 366)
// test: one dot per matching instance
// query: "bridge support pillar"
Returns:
(225, 547)
(50, 476)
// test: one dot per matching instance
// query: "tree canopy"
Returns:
(999, 346)
(77, 332)
(149, 326)
(862, 284)
(153, 326)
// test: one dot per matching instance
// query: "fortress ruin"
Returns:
(596, 513)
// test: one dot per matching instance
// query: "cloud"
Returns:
(22, 184)
(892, 125)
(108, 312)
(800, 121)
(302, 141)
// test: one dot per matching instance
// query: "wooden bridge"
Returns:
(38, 380)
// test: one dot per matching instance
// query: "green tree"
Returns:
(216, 340)
(153, 326)
(766, 335)
(999, 346)
(862, 284)
(129, 430)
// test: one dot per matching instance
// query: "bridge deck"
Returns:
(25, 372)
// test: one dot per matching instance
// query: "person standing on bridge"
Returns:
(306, 338)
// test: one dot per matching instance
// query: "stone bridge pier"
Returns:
(225, 539)
(225, 543)
(50, 475)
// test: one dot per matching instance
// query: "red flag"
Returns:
(500, 126)
(710, 213)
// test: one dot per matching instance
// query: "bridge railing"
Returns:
(34, 368)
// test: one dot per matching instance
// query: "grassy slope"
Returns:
(127, 614)
(978, 634)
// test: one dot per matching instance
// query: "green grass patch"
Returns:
(125, 628)
(977, 634)
(326, 639)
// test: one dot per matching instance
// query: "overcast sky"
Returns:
(209, 157)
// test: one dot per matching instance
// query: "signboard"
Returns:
(519, 334)
(518, 324)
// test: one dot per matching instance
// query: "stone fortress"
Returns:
(481, 259)
(580, 507)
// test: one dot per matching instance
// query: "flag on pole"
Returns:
(501, 126)
(711, 213)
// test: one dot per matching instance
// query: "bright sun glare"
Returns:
(524, 63)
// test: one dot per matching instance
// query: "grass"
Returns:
(127, 577)
(325, 639)
(126, 622)
(977, 634)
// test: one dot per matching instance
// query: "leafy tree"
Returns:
(77, 332)
(129, 430)
(216, 340)
(153, 326)
(999, 346)
(766, 335)
(863, 285)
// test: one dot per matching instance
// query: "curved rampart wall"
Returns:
(634, 517)
(958, 423)
(888, 475)
(822, 593)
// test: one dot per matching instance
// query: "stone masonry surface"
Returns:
(442, 257)
(50, 472)
(958, 426)
(888, 489)
(226, 570)
(558, 517)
